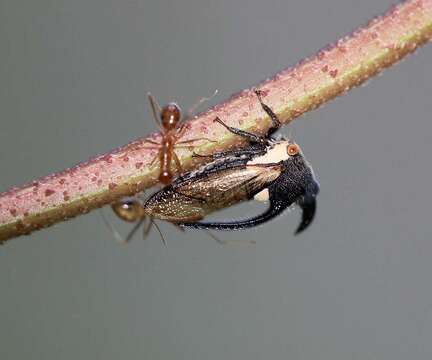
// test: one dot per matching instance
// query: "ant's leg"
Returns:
(194, 140)
(180, 132)
(134, 230)
(115, 233)
(146, 229)
(177, 162)
(152, 148)
(154, 159)
(276, 124)
(113, 230)
(247, 135)
(151, 142)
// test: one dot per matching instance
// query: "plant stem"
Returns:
(290, 93)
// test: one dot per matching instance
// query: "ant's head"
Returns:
(128, 210)
(170, 116)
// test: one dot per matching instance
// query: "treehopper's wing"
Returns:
(198, 196)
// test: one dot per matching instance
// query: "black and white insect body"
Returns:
(266, 170)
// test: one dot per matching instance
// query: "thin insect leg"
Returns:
(178, 227)
(200, 101)
(232, 153)
(179, 134)
(113, 230)
(225, 242)
(196, 139)
(134, 230)
(154, 159)
(177, 162)
(247, 135)
(196, 155)
(151, 148)
(214, 237)
(146, 229)
(276, 124)
(155, 109)
(188, 147)
(159, 231)
(180, 130)
(151, 142)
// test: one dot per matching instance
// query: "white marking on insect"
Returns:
(274, 155)
(263, 195)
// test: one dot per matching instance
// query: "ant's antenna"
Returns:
(200, 101)
(156, 109)
(116, 234)
(113, 230)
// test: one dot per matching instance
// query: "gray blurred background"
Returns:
(356, 285)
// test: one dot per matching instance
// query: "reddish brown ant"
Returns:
(171, 130)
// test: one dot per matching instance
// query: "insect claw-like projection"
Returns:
(268, 169)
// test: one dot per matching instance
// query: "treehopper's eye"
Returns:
(293, 149)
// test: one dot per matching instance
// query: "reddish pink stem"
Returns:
(128, 170)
